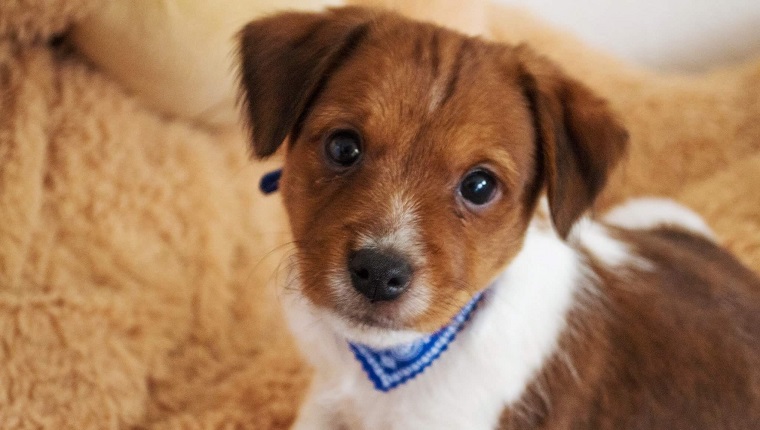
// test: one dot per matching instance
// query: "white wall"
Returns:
(678, 35)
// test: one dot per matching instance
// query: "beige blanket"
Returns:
(138, 261)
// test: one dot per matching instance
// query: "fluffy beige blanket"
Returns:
(138, 261)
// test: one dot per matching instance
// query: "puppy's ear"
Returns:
(580, 139)
(285, 61)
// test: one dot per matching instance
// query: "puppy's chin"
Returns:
(372, 335)
(379, 324)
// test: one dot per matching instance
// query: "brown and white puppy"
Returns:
(417, 159)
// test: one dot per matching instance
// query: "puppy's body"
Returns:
(416, 161)
(578, 335)
(675, 346)
(487, 367)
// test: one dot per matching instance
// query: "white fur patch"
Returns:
(649, 213)
(608, 250)
(489, 365)
(436, 97)
(370, 336)
(401, 228)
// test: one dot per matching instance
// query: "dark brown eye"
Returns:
(478, 187)
(343, 148)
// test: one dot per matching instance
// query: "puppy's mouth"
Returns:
(380, 324)
(392, 315)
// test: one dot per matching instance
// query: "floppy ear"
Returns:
(580, 139)
(285, 61)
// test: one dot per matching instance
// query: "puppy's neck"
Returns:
(519, 321)
(527, 312)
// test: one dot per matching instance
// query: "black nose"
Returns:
(379, 275)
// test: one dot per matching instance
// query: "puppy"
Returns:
(445, 276)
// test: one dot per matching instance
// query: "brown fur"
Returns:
(430, 105)
(673, 346)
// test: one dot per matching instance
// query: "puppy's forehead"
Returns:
(417, 88)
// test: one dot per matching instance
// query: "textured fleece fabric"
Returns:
(139, 262)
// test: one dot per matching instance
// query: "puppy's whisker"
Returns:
(253, 270)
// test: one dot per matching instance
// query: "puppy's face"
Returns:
(415, 157)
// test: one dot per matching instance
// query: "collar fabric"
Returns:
(390, 367)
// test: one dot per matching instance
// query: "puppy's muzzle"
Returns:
(380, 275)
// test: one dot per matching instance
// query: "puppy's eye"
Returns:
(343, 148)
(478, 187)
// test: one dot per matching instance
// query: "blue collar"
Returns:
(390, 367)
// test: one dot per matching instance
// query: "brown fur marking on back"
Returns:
(677, 347)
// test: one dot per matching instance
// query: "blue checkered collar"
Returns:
(390, 367)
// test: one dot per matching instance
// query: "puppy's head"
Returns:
(415, 156)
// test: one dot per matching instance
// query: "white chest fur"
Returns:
(486, 368)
